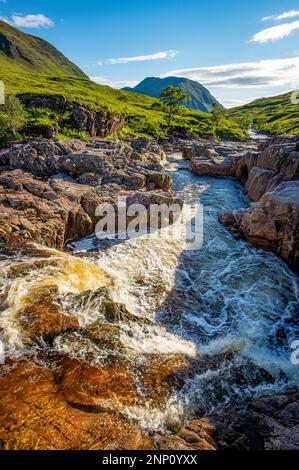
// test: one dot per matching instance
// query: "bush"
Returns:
(13, 118)
(143, 126)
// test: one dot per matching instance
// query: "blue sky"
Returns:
(239, 50)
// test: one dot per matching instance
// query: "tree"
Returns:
(172, 97)
(245, 121)
(13, 117)
(217, 115)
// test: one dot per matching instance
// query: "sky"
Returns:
(239, 50)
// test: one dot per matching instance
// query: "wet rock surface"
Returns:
(267, 423)
(35, 415)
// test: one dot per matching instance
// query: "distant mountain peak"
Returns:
(201, 98)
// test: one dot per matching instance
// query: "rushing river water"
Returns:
(231, 308)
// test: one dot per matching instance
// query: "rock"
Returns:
(37, 211)
(31, 396)
(45, 131)
(273, 222)
(41, 158)
(50, 191)
(266, 423)
(147, 150)
(198, 435)
(42, 318)
(214, 159)
(270, 171)
(105, 335)
(261, 181)
(99, 388)
(55, 102)
(95, 123)
(80, 117)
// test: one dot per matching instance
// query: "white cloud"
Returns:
(29, 21)
(143, 58)
(275, 32)
(121, 84)
(282, 16)
(264, 73)
(233, 103)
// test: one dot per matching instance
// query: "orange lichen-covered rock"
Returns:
(34, 415)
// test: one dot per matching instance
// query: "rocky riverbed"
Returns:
(270, 172)
(131, 347)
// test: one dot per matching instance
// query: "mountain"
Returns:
(201, 98)
(21, 52)
(276, 115)
(30, 65)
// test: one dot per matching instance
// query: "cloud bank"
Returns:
(264, 73)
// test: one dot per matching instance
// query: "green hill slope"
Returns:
(31, 65)
(276, 115)
(20, 51)
(201, 98)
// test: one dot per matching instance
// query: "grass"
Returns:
(141, 118)
(276, 115)
(21, 52)
(31, 65)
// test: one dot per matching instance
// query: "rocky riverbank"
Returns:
(49, 191)
(270, 171)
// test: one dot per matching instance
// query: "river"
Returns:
(231, 308)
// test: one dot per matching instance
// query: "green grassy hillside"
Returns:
(276, 115)
(31, 65)
(141, 118)
(20, 51)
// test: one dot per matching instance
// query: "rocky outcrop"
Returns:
(95, 123)
(267, 423)
(37, 412)
(272, 223)
(270, 171)
(215, 159)
(49, 191)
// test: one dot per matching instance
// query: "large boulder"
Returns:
(147, 150)
(272, 223)
(49, 213)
